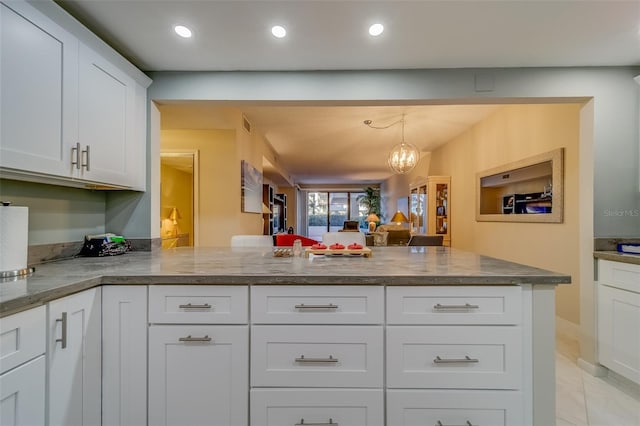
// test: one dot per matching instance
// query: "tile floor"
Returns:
(585, 400)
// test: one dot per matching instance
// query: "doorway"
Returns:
(179, 198)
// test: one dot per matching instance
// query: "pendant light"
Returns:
(404, 156)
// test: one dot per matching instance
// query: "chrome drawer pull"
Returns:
(206, 338)
(329, 306)
(63, 337)
(302, 423)
(467, 423)
(464, 360)
(439, 307)
(190, 306)
(303, 359)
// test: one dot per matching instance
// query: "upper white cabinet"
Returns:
(38, 92)
(69, 115)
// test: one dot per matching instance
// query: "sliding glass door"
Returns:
(327, 211)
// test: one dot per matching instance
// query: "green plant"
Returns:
(371, 200)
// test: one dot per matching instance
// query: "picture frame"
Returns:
(251, 184)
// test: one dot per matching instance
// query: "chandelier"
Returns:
(404, 156)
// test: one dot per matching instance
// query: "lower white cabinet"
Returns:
(74, 357)
(316, 356)
(453, 407)
(320, 407)
(462, 357)
(198, 375)
(22, 394)
(618, 336)
(124, 355)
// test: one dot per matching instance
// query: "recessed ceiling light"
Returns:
(182, 31)
(278, 31)
(376, 29)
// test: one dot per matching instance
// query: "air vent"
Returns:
(246, 124)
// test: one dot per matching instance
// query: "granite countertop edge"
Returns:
(35, 299)
(615, 256)
(428, 266)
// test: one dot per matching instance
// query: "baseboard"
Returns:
(593, 369)
(567, 328)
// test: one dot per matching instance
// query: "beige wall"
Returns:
(219, 216)
(514, 133)
(175, 192)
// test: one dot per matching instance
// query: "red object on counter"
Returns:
(286, 240)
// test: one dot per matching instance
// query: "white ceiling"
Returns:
(330, 144)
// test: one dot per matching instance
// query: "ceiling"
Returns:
(320, 144)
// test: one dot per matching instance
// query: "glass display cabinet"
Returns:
(429, 209)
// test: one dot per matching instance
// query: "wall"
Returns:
(174, 193)
(219, 215)
(514, 133)
(615, 118)
(57, 214)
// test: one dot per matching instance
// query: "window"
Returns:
(327, 211)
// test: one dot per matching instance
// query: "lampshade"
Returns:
(175, 215)
(265, 209)
(372, 218)
(399, 217)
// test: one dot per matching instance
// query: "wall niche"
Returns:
(529, 190)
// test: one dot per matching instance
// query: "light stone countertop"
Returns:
(258, 266)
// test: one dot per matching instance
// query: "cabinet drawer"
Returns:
(480, 357)
(316, 356)
(620, 275)
(22, 337)
(454, 305)
(205, 304)
(321, 407)
(450, 407)
(317, 305)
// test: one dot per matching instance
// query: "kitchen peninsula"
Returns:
(231, 334)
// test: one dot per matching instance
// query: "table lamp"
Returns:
(399, 218)
(372, 219)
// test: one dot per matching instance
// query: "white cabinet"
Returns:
(429, 207)
(124, 355)
(198, 371)
(69, 116)
(456, 355)
(618, 318)
(22, 368)
(74, 359)
(198, 374)
(434, 407)
(39, 92)
(317, 355)
(320, 407)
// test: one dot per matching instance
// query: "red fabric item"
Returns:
(288, 239)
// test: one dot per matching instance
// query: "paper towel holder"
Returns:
(18, 273)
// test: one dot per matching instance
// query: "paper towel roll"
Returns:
(14, 237)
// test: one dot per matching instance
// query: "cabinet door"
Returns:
(74, 388)
(38, 87)
(106, 120)
(22, 394)
(198, 375)
(618, 337)
(124, 355)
